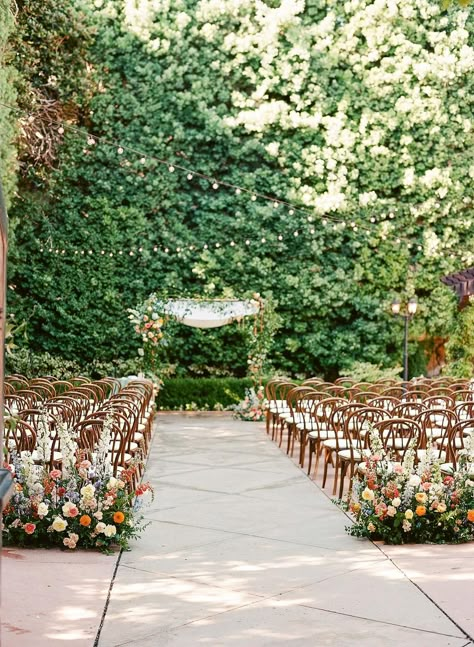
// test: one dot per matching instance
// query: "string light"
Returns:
(94, 140)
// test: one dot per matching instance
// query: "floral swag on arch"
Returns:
(149, 320)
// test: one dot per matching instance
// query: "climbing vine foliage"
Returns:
(357, 112)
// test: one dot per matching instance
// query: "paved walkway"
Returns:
(243, 550)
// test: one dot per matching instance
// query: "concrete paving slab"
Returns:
(269, 623)
(53, 597)
(445, 573)
(227, 479)
(259, 566)
(161, 537)
(379, 592)
(265, 561)
(143, 603)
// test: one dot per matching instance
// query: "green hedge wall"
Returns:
(202, 393)
(349, 110)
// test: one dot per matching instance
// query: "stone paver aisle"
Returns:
(244, 550)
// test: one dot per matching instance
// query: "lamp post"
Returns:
(411, 307)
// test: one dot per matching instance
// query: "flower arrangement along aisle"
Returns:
(403, 503)
(148, 323)
(252, 407)
(81, 504)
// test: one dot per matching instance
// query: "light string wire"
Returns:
(92, 139)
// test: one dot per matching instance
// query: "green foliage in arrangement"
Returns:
(357, 111)
(202, 393)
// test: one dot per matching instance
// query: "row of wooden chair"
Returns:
(84, 410)
(335, 428)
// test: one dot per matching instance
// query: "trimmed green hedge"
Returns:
(202, 393)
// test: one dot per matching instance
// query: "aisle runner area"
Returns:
(244, 550)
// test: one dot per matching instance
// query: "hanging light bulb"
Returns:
(215, 186)
(190, 176)
(238, 191)
(171, 168)
(120, 150)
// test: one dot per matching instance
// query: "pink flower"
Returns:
(29, 528)
(398, 468)
(70, 510)
(426, 486)
(55, 474)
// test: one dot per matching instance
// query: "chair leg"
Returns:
(311, 449)
(290, 442)
(327, 460)
(343, 476)
(302, 448)
(336, 475)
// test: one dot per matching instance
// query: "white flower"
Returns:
(112, 483)
(43, 509)
(368, 494)
(98, 515)
(59, 524)
(396, 502)
(100, 527)
(414, 481)
(110, 531)
(88, 491)
(391, 511)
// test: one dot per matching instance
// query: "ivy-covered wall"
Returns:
(357, 111)
(7, 98)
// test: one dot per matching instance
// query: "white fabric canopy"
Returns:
(208, 314)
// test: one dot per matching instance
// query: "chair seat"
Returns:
(57, 456)
(399, 443)
(336, 443)
(308, 425)
(448, 468)
(458, 442)
(357, 454)
(322, 434)
(438, 454)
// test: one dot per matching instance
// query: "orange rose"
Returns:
(119, 517)
(85, 520)
(470, 516)
(420, 510)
